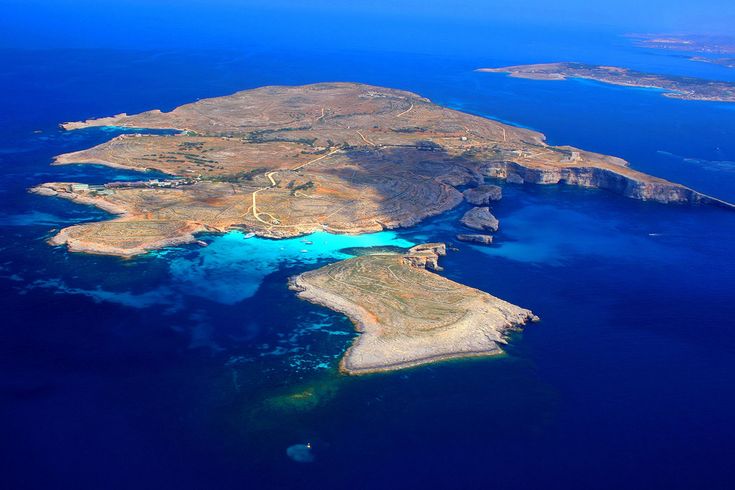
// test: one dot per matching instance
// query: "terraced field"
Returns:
(341, 157)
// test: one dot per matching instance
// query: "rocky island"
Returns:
(724, 62)
(480, 219)
(677, 87)
(711, 44)
(406, 315)
(342, 157)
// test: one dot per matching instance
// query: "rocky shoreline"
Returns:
(623, 183)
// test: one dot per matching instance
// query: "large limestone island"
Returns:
(346, 158)
(677, 87)
(341, 157)
(407, 315)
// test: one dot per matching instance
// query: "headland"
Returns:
(407, 315)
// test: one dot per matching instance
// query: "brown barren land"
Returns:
(341, 157)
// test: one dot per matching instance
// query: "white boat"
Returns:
(250, 235)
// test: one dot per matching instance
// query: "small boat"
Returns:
(250, 235)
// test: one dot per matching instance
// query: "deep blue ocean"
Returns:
(196, 368)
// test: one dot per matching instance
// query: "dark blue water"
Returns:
(196, 368)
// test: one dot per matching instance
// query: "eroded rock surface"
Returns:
(475, 238)
(480, 219)
(482, 195)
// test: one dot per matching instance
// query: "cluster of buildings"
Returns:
(98, 189)
(107, 189)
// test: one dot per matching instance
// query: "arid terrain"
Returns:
(407, 315)
(342, 157)
(676, 87)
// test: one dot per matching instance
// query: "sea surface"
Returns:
(196, 368)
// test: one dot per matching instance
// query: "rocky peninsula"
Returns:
(406, 315)
(342, 157)
(677, 87)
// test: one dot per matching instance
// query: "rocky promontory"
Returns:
(482, 195)
(406, 315)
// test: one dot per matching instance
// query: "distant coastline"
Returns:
(676, 87)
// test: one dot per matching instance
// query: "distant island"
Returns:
(676, 87)
(726, 62)
(288, 161)
(692, 43)
(407, 315)
(707, 45)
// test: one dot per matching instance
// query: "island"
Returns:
(677, 87)
(407, 315)
(480, 218)
(724, 62)
(693, 43)
(284, 161)
(475, 238)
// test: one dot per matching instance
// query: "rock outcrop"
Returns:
(482, 195)
(480, 219)
(475, 238)
(425, 256)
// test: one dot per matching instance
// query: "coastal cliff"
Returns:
(645, 189)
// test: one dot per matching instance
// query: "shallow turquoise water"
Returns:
(232, 267)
